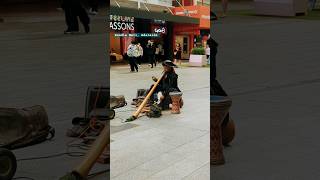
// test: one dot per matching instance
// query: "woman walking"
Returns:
(177, 54)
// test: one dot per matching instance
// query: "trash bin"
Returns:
(219, 107)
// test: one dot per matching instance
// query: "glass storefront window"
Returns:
(203, 2)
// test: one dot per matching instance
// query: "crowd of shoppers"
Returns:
(153, 53)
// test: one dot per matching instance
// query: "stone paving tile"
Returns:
(201, 173)
(184, 167)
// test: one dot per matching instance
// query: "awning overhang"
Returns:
(143, 14)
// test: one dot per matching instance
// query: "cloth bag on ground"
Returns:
(24, 127)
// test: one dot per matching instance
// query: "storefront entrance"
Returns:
(184, 41)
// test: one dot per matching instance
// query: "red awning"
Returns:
(200, 12)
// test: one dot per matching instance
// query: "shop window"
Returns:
(185, 45)
(203, 2)
(188, 3)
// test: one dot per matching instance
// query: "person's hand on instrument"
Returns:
(154, 79)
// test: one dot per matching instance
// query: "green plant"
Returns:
(198, 51)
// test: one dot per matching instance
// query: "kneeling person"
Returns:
(168, 84)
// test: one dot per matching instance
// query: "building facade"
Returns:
(165, 22)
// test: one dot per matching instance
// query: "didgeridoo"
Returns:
(82, 170)
(135, 115)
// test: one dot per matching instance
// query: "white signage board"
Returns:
(121, 23)
(156, 2)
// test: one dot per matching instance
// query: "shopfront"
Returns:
(190, 36)
(127, 25)
(141, 30)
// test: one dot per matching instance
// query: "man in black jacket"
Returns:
(150, 52)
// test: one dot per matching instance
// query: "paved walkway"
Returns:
(41, 65)
(271, 69)
(171, 147)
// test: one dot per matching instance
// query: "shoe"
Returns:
(70, 32)
(87, 28)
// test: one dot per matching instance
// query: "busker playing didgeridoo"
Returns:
(168, 83)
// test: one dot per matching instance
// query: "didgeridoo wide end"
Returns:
(132, 118)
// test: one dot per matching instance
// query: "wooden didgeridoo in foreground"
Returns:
(94, 153)
(144, 102)
(83, 169)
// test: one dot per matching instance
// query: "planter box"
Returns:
(280, 7)
(197, 60)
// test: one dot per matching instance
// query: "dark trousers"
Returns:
(139, 60)
(73, 9)
(157, 56)
(152, 60)
(133, 64)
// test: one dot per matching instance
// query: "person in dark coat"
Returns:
(150, 53)
(74, 9)
(168, 83)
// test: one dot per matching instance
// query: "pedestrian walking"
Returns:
(162, 53)
(157, 54)
(150, 52)
(177, 54)
(224, 8)
(140, 51)
(208, 53)
(133, 53)
(74, 9)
